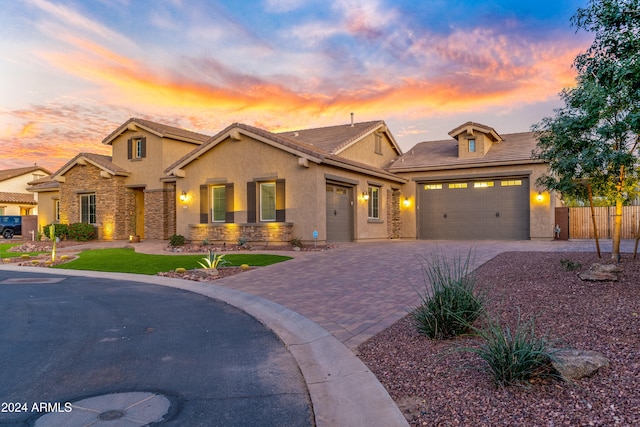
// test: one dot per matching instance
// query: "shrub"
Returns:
(80, 231)
(514, 357)
(176, 240)
(180, 270)
(296, 242)
(242, 241)
(449, 303)
(61, 230)
(570, 265)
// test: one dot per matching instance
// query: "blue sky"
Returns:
(72, 71)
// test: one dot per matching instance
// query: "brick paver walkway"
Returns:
(357, 290)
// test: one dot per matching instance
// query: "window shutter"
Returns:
(204, 204)
(228, 194)
(280, 201)
(143, 148)
(251, 202)
(129, 148)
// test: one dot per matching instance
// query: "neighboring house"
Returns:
(339, 183)
(15, 199)
(477, 185)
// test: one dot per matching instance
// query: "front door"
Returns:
(339, 213)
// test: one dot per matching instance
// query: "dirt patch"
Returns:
(431, 387)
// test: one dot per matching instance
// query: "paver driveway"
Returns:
(357, 290)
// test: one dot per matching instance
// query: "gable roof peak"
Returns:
(161, 130)
(471, 127)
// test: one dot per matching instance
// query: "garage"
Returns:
(482, 209)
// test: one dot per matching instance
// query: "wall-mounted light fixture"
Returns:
(406, 202)
(183, 196)
(365, 196)
(539, 197)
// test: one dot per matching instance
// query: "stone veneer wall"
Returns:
(155, 219)
(393, 213)
(160, 213)
(170, 209)
(110, 197)
(275, 232)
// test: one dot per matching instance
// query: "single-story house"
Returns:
(340, 183)
(15, 199)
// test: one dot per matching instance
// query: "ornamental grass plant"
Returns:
(514, 356)
(449, 302)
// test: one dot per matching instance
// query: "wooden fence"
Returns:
(581, 225)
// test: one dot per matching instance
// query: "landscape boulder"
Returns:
(574, 364)
(601, 273)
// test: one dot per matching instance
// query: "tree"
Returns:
(594, 138)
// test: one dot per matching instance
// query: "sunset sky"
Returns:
(72, 71)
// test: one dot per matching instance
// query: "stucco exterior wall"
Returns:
(246, 160)
(542, 213)
(160, 153)
(46, 207)
(363, 151)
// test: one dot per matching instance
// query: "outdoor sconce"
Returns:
(365, 196)
(539, 197)
(183, 196)
(406, 202)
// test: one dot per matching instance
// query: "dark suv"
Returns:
(10, 225)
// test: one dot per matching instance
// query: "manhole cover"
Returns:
(111, 415)
(116, 409)
(32, 280)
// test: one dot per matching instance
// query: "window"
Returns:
(511, 183)
(485, 184)
(433, 186)
(56, 210)
(458, 185)
(1, 210)
(378, 146)
(88, 208)
(472, 145)
(137, 148)
(374, 202)
(267, 201)
(219, 203)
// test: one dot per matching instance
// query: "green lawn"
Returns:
(128, 261)
(5, 246)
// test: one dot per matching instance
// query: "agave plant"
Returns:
(213, 261)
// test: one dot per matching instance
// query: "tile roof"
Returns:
(434, 155)
(101, 161)
(12, 173)
(43, 184)
(301, 145)
(161, 130)
(333, 139)
(22, 198)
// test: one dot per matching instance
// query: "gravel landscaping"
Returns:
(435, 386)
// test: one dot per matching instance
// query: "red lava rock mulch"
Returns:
(431, 388)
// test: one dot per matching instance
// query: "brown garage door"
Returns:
(474, 210)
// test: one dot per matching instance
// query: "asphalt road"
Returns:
(64, 339)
